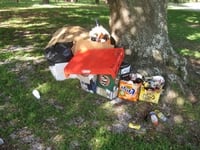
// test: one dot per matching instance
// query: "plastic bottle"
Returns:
(36, 94)
(154, 118)
(161, 115)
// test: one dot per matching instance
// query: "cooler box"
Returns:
(96, 61)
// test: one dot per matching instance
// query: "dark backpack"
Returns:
(59, 53)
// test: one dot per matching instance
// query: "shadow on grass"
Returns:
(65, 116)
(30, 26)
(184, 32)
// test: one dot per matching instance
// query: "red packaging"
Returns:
(101, 61)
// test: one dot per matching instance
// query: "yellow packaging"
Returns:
(129, 90)
(149, 95)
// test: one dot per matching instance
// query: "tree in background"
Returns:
(97, 1)
(140, 26)
(45, 1)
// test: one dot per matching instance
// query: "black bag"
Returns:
(59, 53)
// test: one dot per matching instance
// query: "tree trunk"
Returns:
(96, 1)
(140, 26)
(45, 1)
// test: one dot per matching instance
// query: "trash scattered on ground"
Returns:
(134, 126)
(101, 69)
(160, 115)
(36, 93)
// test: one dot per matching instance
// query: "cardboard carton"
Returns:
(97, 61)
(68, 34)
(129, 90)
(88, 83)
(107, 86)
(150, 95)
(85, 45)
(107, 93)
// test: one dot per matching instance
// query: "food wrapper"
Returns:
(129, 90)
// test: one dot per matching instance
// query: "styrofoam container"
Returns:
(57, 71)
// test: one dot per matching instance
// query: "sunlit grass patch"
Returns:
(184, 32)
(66, 116)
(190, 53)
(195, 36)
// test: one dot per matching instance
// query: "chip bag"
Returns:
(129, 90)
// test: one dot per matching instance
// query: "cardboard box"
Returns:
(129, 90)
(107, 93)
(57, 71)
(107, 82)
(107, 86)
(97, 61)
(69, 34)
(149, 95)
(85, 45)
(88, 83)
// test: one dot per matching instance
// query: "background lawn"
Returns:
(67, 117)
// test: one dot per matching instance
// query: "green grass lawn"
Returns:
(67, 117)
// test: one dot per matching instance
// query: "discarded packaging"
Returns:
(107, 82)
(103, 61)
(57, 71)
(74, 52)
(107, 86)
(154, 82)
(88, 83)
(160, 115)
(69, 34)
(99, 34)
(107, 93)
(59, 53)
(134, 126)
(124, 71)
(86, 45)
(149, 95)
(136, 78)
(129, 90)
(154, 118)
(36, 94)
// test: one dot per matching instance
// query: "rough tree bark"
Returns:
(140, 26)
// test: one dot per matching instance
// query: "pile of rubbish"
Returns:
(100, 66)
